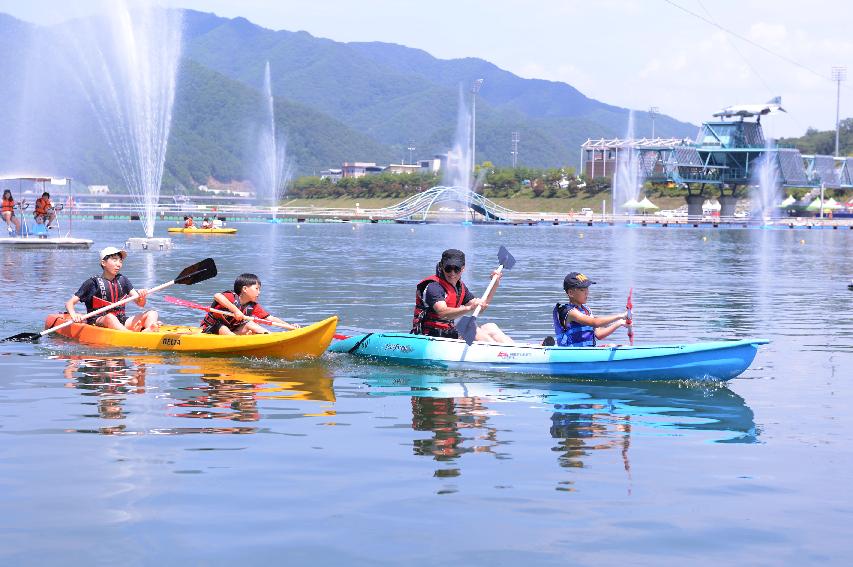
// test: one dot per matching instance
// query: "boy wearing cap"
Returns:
(110, 287)
(443, 297)
(574, 324)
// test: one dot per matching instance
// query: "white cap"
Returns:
(110, 250)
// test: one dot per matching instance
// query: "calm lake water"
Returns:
(118, 457)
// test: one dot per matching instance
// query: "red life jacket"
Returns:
(109, 292)
(188, 223)
(425, 317)
(227, 320)
(8, 205)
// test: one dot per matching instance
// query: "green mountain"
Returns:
(396, 94)
(334, 102)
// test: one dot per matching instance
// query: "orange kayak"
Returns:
(308, 341)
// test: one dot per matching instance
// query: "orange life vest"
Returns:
(43, 206)
(8, 205)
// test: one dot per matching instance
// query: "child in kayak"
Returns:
(110, 287)
(242, 303)
(574, 323)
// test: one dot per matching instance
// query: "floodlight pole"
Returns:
(475, 88)
(838, 75)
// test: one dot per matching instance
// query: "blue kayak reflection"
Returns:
(584, 416)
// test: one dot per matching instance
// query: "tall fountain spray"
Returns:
(274, 168)
(766, 181)
(628, 180)
(127, 68)
(459, 159)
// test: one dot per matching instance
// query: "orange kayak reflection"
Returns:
(201, 388)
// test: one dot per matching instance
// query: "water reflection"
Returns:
(108, 382)
(207, 389)
(586, 418)
(458, 426)
(232, 390)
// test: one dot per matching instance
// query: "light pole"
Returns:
(475, 88)
(411, 149)
(654, 111)
(838, 75)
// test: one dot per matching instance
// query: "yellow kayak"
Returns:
(203, 230)
(309, 341)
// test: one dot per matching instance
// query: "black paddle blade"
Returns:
(506, 259)
(199, 272)
(467, 329)
(23, 338)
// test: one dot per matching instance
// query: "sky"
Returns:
(688, 58)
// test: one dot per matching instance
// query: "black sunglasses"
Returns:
(448, 269)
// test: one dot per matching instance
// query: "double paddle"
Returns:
(629, 305)
(198, 272)
(467, 325)
(192, 305)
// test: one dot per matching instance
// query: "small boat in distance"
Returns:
(35, 235)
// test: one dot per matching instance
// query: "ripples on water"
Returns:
(340, 460)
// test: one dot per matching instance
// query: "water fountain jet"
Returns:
(274, 167)
(128, 65)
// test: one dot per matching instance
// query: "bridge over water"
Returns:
(417, 207)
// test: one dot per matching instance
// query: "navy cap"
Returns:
(453, 257)
(576, 280)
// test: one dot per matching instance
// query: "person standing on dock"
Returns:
(443, 297)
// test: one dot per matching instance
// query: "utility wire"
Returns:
(746, 60)
(747, 40)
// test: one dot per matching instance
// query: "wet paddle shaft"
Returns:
(467, 326)
(201, 271)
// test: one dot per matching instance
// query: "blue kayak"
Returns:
(718, 360)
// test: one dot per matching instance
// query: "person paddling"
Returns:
(574, 323)
(242, 302)
(443, 297)
(188, 222)
(110, 287)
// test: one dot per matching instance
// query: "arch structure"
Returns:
(417, 207)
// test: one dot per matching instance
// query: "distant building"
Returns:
(334, 175)
(356, 168)
(99, 189)
(403, 168)
(434, 165)
(374, 169)
(229, 192)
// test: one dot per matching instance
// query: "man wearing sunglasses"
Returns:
(443, 297)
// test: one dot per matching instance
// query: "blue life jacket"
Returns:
(575, 335)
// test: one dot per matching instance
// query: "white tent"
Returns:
(789, 200)
(710, 205)
(646, 205)
(828, 205)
